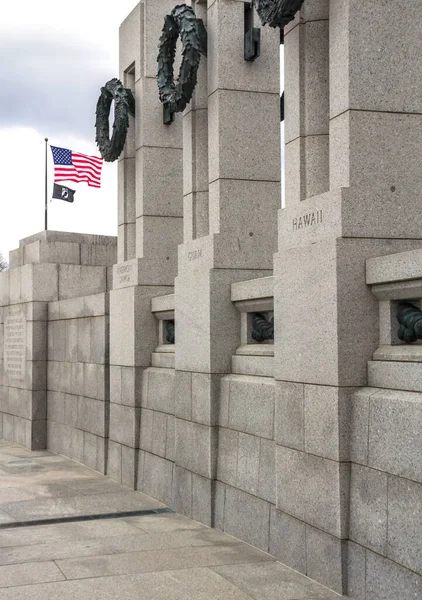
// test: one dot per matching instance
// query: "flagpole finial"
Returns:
(46, 139)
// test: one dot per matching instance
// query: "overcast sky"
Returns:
(54, 59)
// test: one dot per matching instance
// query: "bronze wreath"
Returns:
(277, 13)
(182, 21)
(124, 104)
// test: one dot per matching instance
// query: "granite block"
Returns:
(196, 447)
(248, 455)
(152, 131)
(368, 508)
(289, 415)
(267, 476)
(158, 237)
(96, 381)
(72, 308)
(36, 340)
(38, 282)
(77, 281)
(402, 266)
(395, 375)
(183, 395)
(131, 386)
(313, 489)
(147, 420)
(130, 41)
(157, 478)
(288, 540)
(405, 523)
(386, 579)
(327, 418)
(247, 517)
(129, 467)
(4, 288)
(161, 390)
(126, 187)
(116, 384)
(245, 212)
(202, 499)
(230, 157)
(395, 443)
(124, 424)
(183, 491)
(92, 416)
(52, 252)
(356, 571)
(94, 452)
(359, 425)
(251, 408)
(159, 434)
(368, 71)
(338, 318)
(97, 255)
(227, 456)
(226, 66)
(204, 398)
(171, 438)
(99, 334)
(71, 340)
(325, 557)
(84, 340)
(159, 182)
(114, 460)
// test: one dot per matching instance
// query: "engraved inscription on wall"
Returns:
(195, 254)
(125, 274)
(15, 343)
(309, 220)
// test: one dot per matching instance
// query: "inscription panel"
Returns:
(124, 274)
(15, 343)
(195, 254)
(308, 220)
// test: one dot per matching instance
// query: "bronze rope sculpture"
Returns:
(277, 13)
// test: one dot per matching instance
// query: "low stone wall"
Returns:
(385, 493)
(78, 379)
(246, 483)
(50, 273)
(157, 444)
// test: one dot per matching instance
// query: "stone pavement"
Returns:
(50, 549)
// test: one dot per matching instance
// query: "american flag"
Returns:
(73, 166)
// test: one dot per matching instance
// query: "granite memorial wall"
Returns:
(237, 360)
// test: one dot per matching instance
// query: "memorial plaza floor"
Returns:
(69, 533)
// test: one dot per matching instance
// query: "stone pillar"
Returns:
(151, 177)
(244, 195)
(129, 69)
(307, 102)
(195, 151)
(326, 318)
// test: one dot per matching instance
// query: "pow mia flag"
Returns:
(63, 193)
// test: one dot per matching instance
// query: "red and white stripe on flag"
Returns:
(83, 168)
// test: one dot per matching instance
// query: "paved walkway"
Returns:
(49, 550)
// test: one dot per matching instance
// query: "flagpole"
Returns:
(46, 204)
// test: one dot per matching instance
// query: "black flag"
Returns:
(63, 193)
